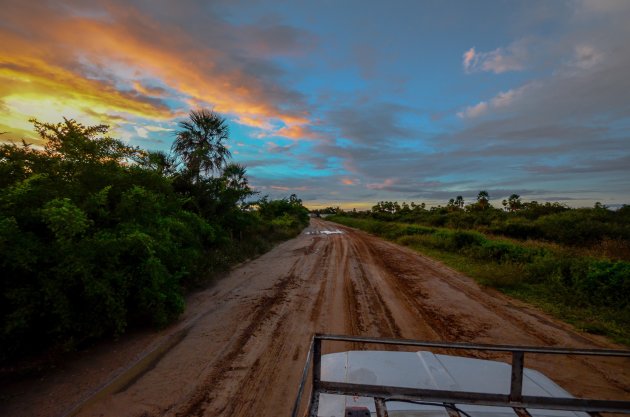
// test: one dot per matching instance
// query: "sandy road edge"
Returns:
(129, 375)
(150, 357)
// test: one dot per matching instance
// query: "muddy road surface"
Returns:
(240, 347)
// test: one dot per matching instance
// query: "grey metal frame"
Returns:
(515, 399)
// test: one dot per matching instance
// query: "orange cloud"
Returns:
(468, 57)
(296, 132)
(95, 63)
(348, 181)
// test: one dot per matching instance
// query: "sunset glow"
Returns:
(346, 104)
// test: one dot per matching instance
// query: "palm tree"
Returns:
(514, 202)
(235, 176)
(159, 161)
(482, 199)
(459, 202)
(200, 142)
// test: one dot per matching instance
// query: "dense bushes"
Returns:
(552, 222)
(93, 239)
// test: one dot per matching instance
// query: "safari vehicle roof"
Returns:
(422, 383)
(426, 370)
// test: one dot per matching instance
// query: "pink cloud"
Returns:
(381, 185)
(474, 111)
(511, 58)
(469, 55)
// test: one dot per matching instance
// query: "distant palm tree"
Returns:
(200, 142)
(459, 201)
(514, 202)
(482, 199)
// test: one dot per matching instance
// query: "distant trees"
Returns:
(456, 203)
(550, 221)
(483, 199)
(459, 202)
(513, 203)
(328, 210)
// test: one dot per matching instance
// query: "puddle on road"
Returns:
(325, 232)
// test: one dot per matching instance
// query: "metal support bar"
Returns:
(381, 408)
(473, 346)
(317, 375)
(451, 410)
(477, 398)
(309, 355)
(516, 384)
(521, 412)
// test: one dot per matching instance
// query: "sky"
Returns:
(346, 103)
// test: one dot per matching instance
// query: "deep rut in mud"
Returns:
(246, 339)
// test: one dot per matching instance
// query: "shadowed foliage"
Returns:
(97, 237)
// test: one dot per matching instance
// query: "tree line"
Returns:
(553, 222)
(97, 236)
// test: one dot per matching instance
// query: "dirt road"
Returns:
(240, 347)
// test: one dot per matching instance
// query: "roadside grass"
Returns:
(592, 294)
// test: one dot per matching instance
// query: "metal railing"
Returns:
(515, 399)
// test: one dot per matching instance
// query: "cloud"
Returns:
(149, 90)
(501, 101)
(141, 131)
(585, 166)
(586, 57)
(285, 188)
(100, 57)
(382, 185)
(474, 111)
(275, 148)
(498, 61)
(468, 58)
(373, 122)
(268, 37)
(296, 132)
(603, 7)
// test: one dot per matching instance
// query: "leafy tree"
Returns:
(71, 141)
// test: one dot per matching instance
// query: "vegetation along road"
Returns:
(240, 347)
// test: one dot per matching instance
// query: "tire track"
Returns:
(384, 322)
(203, 396)
(403, 270)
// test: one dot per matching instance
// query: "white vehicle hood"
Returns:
(425, 370)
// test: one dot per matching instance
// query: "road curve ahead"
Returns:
(240, 348)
